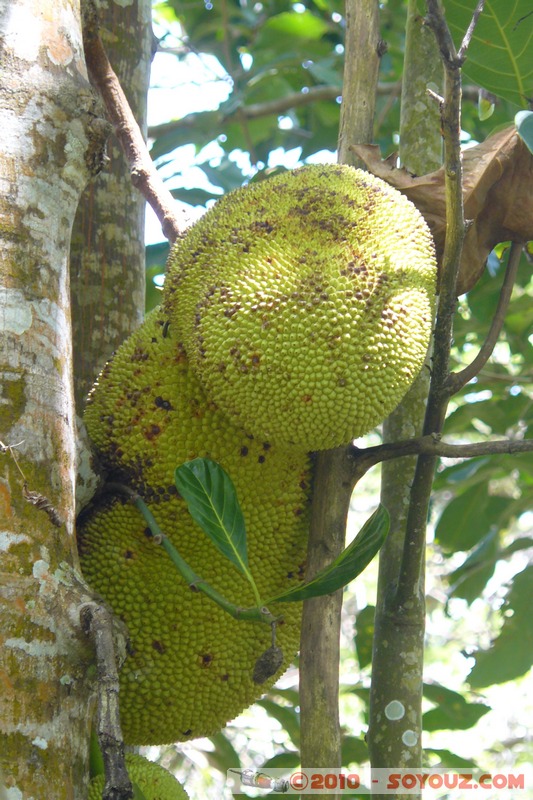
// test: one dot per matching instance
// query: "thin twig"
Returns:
(461, 55)
(456, 380)
(409, 585)
(35, 498)
(98, 624)
(10, 448)
(173, 218)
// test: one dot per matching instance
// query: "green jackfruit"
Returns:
(155, 782)
(192, 665)
(305, 303)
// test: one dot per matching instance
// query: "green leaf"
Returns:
(499, 415)
(153, 291)
(469, 517)
(327, 71)
(499, 56)
(485, 106)
(194, 197)
(157, 254)
(289, 760)
(469, 580)
(198, 129)
(305, 26)
(463, 474)
(224, 756)
(524, 126)
(511, 654)
(226, 174)
(353, 750)
(362, 692)
(451, 760)
(96, 759)
(364, 635)
(138, 794)
(522, 543)
(453, 711)
(287, 717)
(348, 565)
(256, 613)
(212, 501)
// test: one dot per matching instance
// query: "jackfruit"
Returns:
(155, 782)
(305, 303)
(191, 667)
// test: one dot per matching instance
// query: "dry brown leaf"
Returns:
(498, 197)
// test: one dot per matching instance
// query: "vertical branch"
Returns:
(107, 262)
(362, 50)
(413, 555)
(319, 654)
(97, 622)
(420, 140)
(398, 651)
(399, 618)
(320, 637)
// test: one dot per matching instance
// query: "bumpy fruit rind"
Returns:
(155, 782)
(305, 303)
(191, 665)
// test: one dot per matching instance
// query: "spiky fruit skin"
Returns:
(305, 303)
(155, 782)
(191, 666)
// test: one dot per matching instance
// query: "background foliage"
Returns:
(270, 76)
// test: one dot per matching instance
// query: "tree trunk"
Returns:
(47, 116)
(395, 726)
(332, 489)
(107, 249)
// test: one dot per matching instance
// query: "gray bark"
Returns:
(395, 730)
(48, 134)
(107, 249)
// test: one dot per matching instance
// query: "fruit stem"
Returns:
(259, 613)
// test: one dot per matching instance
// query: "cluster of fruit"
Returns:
(295, 315)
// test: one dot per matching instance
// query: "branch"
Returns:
(280, 105)
(413, 555)
(321, 617)
(436, 21)
(456, 380)
(461, 55)
(144, 176)
(399, 633)
(432, 445)
(313, 94)
(98, 624)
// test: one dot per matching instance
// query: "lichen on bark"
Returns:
(395, 739)
(46, 109)
(107, 249)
